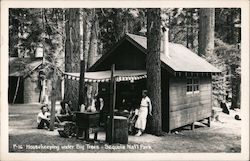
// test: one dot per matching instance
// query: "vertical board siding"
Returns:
(188, 108)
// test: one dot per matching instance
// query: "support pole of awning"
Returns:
(110, 129)
(81, 84)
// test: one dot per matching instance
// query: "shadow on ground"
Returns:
(219, 138)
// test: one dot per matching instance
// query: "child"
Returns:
(133, 115)
(43, 117)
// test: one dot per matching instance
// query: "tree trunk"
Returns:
(192, 29)
(92, 55)
(206, 31)
(235, 88)
(153, 67)
(72, 54)
(87, 41)
(53, 101)
(93, 41)
(81, 99)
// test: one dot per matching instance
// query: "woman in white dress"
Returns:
(145, 109)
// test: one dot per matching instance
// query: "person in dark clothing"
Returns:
(66, 110)
(224, 107)
(97, 103)
(65, 113)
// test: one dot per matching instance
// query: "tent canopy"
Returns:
(104, 76)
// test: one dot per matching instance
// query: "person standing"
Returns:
(43, 117)
(144, 110)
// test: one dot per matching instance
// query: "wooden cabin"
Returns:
(186, 80)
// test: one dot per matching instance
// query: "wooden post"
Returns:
(95, 136)
(110, 128)
(86, 134)
(62, 88)
(17, 86)
(81, 83)
(192, 126)
(208, 121)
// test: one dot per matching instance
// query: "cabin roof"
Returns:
(181, 58)
(22, 66)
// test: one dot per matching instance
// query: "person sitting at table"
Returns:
(92, 107)
(65, 113)
(99, 103)
(124, 104)
(133, 115)
(43, 117)
(82, 108)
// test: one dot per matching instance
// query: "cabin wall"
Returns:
(188, 108)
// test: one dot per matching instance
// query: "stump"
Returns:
(215, 113)
(120, 130)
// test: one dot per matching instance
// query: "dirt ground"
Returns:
(221, 137)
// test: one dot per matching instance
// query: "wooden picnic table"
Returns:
(89, 122)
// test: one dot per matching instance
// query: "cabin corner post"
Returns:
(211, 99)
(209, 121)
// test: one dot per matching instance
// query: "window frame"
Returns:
(194, 84)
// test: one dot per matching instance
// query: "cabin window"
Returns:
(192, 85)
(196, 85)
(189, 85)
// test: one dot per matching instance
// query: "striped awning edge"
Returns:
(104, 76)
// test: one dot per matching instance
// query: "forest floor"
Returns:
(221, 137)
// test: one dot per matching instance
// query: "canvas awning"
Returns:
(104, 76)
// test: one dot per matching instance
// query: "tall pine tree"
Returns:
(72, 54)
(206, 31)
(153, 67)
